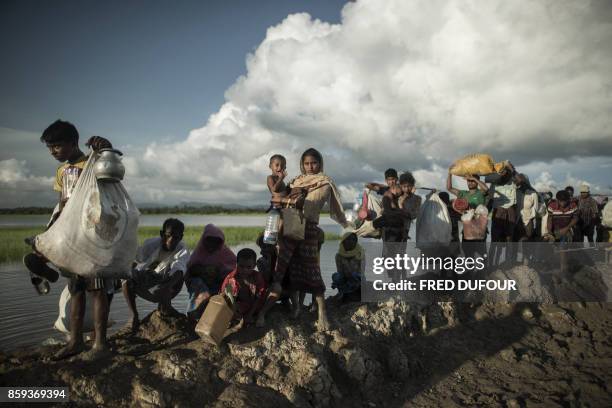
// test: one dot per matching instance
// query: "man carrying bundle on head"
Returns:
(476, 195)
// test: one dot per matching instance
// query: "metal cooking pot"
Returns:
(108, 166)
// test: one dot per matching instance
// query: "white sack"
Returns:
(433, 227)
(96, 233)
(63, 320)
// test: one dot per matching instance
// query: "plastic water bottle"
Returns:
(357, 203)
(272, 224)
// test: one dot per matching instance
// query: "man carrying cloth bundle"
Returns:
(62, 140)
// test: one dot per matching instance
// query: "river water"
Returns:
(151, 220)
(27, 318)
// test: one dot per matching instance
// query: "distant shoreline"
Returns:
(148, 211)
(207, 210)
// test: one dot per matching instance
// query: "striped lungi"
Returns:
(300, 261)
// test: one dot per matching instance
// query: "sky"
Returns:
(199, 95)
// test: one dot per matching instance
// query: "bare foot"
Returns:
(169, 311)
(131, 326)
(322, 324)
(69, 350)
(261, 321)
(97, 353)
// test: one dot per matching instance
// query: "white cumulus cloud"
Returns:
(19, 187)
(409, 84)
(406, 84)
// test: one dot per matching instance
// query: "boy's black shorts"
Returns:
(78, 284)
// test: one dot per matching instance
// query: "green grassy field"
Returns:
(12, 247)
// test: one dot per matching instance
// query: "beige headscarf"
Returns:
(317, 191)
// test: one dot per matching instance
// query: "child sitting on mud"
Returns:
(246, 285)
(350, 264)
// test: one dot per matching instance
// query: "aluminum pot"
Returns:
(108, 166)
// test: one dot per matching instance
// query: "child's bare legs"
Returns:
(100, 315)
(273, 296)
(322, 322)
(77, 312)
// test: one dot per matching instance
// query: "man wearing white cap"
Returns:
(588, 213)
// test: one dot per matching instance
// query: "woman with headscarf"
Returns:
(300, 259)
(209, 264)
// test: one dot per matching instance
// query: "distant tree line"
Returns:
(177, 209)
(27, 210)
(207, 209)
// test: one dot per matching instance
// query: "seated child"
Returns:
(350, 263)
(246, 285)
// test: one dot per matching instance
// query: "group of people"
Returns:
(519, 214)
(291, 268)
(163, 264)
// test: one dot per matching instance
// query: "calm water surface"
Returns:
(158, 219)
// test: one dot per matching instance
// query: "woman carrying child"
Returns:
(350, 264)
(301, 258)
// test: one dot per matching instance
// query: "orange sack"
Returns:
(478, 163)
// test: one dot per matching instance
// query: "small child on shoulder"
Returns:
(276, 180)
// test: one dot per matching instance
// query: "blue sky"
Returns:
(198, 95)
(136, 71)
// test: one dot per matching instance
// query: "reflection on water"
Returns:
(27, 318)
